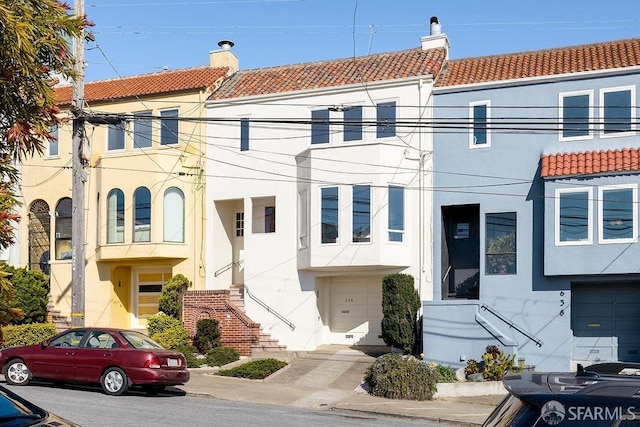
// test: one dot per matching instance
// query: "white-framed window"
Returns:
(239, 224)
(576, 115)
(115, 136)
(142, 215)
(320, 126)
(244, 134)
(361, 213)
(574, 216)
(115, 216)
(169, 127)
(329, 214)
(303, 219)
(173, 212)
(396, 213)
(352, 130)
(54, 147)
(618, 213)
(386, 119)
(479, 126)
(142, 129)
(617, 111)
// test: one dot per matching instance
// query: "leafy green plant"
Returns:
(189, 352)
(401, 377)
(472, 367)
(27, 334)
(172, 338)
(496, 364)
(220, 356)
(170, 301)
(207, 335)
(31, 290)
(255, 370)
(161, 322)
(445, 374)
(400, 305)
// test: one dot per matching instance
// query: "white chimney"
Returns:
(436, 39)
(224, 57)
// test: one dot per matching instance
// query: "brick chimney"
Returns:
(224, 57)
(436, 39)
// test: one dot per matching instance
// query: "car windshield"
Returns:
(138, 340)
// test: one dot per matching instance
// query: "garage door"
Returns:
(606, 322)
(356, 311)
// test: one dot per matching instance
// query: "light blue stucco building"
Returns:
(535, 207)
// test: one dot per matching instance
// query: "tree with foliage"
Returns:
(31, 290)
(170, 301)
(400, 305)
(33, 48)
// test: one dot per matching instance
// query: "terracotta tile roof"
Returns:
(590, 163)
(146, 84)
(573, 59)
(372, 68)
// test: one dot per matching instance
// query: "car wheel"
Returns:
(16, 372)
(114, 382)
(154, 389)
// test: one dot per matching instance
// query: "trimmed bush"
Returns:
(189, 352)
(220, 356)
(28, 334)
(445, 374)
(207, 335)
(400, 305)
(170, 301)
(496, 364)
(161, 322)
(31, 291)
(401, 377)
(172, 338)
(255, 370)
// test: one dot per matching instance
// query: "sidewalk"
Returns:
(329, 379)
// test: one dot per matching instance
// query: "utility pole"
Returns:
(78, 258)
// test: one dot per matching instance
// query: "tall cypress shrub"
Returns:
(400, 305)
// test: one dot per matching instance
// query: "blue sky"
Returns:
(143, 36)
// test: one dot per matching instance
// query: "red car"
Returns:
(116, 359)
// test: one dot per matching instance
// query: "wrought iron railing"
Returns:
(512, 325)
(269, 309)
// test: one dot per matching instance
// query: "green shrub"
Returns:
(172, 338)
(170, 301)
(189, 352)
(207, 335)
(32, 333)
(31, 290)
(472, 367)
(161, 322)
(400, 305)
(445, 374)
(255, 370)
(401, 377)
(220, 356)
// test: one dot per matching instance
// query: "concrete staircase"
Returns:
(265, 344)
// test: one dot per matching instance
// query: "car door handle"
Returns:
(70, 353)
(107, 355)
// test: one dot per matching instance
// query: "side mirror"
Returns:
(45, 343)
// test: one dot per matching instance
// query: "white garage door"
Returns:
(356, 311)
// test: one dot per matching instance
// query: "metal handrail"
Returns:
(269, 309)
(512, 325)
(228, 267)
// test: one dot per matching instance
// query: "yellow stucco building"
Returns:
(144, 193)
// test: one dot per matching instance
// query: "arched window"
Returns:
(142, 215)
(63, 228)
(173, 215)
(39, 236)
(115, 216)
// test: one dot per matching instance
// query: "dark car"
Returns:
(17, 412)
(605, 394)
(116, 359)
